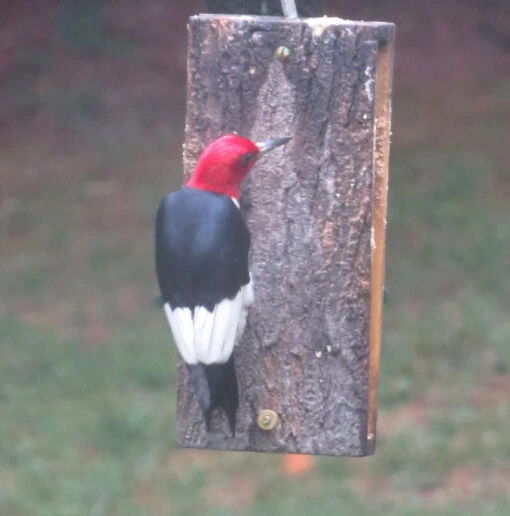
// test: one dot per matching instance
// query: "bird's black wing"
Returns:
(202, 245)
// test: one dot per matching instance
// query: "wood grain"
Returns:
(310, 206)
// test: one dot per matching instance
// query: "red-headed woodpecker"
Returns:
(202, 245)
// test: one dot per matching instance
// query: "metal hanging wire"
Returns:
(289, 9)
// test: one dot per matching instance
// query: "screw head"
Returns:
(267, 419)
(282, 53)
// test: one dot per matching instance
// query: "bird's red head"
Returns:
(224, 163)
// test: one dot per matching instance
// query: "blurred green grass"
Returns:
(87, 374)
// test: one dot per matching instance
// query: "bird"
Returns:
(201, 255)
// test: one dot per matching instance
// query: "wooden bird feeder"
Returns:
(308, 363)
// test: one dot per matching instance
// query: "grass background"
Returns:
(92, 121)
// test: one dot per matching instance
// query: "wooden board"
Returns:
(316, 210)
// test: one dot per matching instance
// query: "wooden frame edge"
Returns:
(382, 128)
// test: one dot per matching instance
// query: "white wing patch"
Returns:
(181, 324)
(210, 337)
(248, 298)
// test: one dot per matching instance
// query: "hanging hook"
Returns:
(289, 9)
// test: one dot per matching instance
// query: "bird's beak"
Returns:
(268, 145)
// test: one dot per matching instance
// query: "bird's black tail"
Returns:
(216, 386)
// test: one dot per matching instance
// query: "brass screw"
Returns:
(267, 419)
(282, 53)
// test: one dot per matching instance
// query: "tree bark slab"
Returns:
(316, 211)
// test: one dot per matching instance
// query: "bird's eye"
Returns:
(246, 159)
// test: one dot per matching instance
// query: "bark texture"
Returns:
(309, 206)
